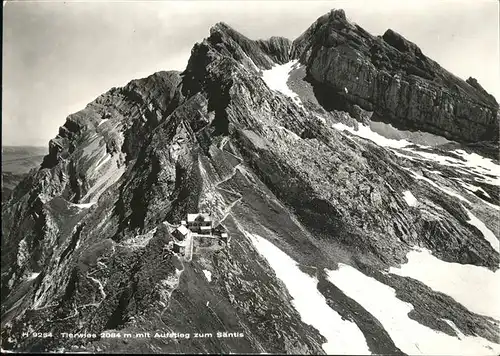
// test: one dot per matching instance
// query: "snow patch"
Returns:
(473, 220)
(22, 252)
(367, 133)
(476, 288)
(444, 190)
(100, 286)
(103, 161)
(12, 280)
(457, 331)
(84, 206)
(488, 171)
(102, 122)
(252, 63)
(481, 164)
(410, 336)
(32, 276)
(321, 118)
(343, 337)
(208, 275)
(276, 78)
(473, 188)
(410, 199)
(487, 233)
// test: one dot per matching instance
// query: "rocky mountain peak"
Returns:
(391, 77)
(327, 164)
(220, 27)
(338, 14)
(276, 47)
(474, 83)
(333, 16)
(400, 43)
(228, 46)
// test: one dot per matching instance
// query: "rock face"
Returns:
(85, 238)
(390, 76)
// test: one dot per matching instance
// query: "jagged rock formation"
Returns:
(390, 76)
(84, 236)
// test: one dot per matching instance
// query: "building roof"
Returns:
(205, 228)
(183, 229)
(193, 217)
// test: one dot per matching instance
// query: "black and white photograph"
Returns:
(251, 177)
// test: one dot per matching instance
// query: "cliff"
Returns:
(391, 77)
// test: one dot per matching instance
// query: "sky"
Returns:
(59, 56)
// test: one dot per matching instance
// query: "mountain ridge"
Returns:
(403, 88)
(294, 182)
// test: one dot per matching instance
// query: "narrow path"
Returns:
(228, 209)
(218, 318)
(100, 286)
(16, 304)
(235, 168)
(190, 238)
(46, 307)
(229, 191)
(70, 316)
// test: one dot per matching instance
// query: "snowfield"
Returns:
(473, 220)
(450, 192)
(474, 189)
(277, 77)
(481, 165)
(484, 169)
(343, 337)
(476, 288)
(408, 335)
(367, 133)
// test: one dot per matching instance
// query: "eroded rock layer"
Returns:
(390, 76)
(321, 210)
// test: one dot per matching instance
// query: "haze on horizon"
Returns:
(59, 56)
